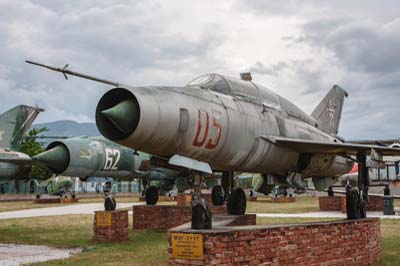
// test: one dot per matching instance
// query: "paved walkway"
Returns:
(324, 215)
(15, 255)
(87, 208)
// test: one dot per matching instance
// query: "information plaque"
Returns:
(187, 246)
(103, 219)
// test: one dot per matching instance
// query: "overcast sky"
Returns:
(299, 49)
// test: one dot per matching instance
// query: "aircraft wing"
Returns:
(344, 193)
(314, 146)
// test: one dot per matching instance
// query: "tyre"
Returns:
(201, 219)
(151, 195)
(217, 196)
(237, 202)
(352, 204)
(109, 203)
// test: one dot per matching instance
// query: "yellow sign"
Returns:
(103, 219)
(187, 246)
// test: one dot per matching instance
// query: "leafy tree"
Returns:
(31, 146)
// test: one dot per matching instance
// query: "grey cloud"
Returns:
(126, 41)
(307, 9)
(274, 69)
(361, 46)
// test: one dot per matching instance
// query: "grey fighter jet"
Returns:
(219, 123)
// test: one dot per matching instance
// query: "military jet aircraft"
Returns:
(219, 123)
(56, 185)
(14, 124)
(96, 156)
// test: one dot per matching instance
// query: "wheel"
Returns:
(109, 203)
(352, 204)
(32, 187)
(151, 195)
(217, 195)
(237, 202)
(201, 219)
(363, 210)
(114, 203)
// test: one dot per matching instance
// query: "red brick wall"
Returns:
(375, 204)
(330, 203)
(117, 232)
(338, 203)
(283, 199)
(241, 220)
(184, 199)
(55, 200)
(165, 217)
(355, 242)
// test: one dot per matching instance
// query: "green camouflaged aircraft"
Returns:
(14, 124)
(56, 185)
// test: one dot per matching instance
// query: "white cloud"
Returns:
(297, 48)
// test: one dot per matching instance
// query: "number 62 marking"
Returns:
(112, 159)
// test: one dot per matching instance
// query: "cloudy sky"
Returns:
(299, 49)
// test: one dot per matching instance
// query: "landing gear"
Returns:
(356, 201)
(110, 204)
(217, 196)
(151, 195)
(236, 197)
(201, 215)
(330, 192)
(237, 202)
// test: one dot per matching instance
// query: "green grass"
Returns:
(145, 247)
(149, 247)
(265, 205)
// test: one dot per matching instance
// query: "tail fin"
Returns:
(329, 110)
(14, 123)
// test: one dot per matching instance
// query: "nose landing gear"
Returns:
(356, 201)
(201, 214)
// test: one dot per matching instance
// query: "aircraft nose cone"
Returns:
(56, 158)
(124, 116)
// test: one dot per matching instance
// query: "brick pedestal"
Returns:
(161, 198)
(330, 203)
(347, 242)
(55, 200)
(184, 199)
(165, 217)
(110, 226)
(338, 203)
(283, 199)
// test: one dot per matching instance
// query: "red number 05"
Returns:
(202, 135)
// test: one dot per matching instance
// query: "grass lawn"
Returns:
(265, 205)
(145, 247)
(21, 205)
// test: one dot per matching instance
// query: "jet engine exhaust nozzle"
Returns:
(117, 114)
(56, 158)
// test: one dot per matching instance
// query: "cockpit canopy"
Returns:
(236, 87)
